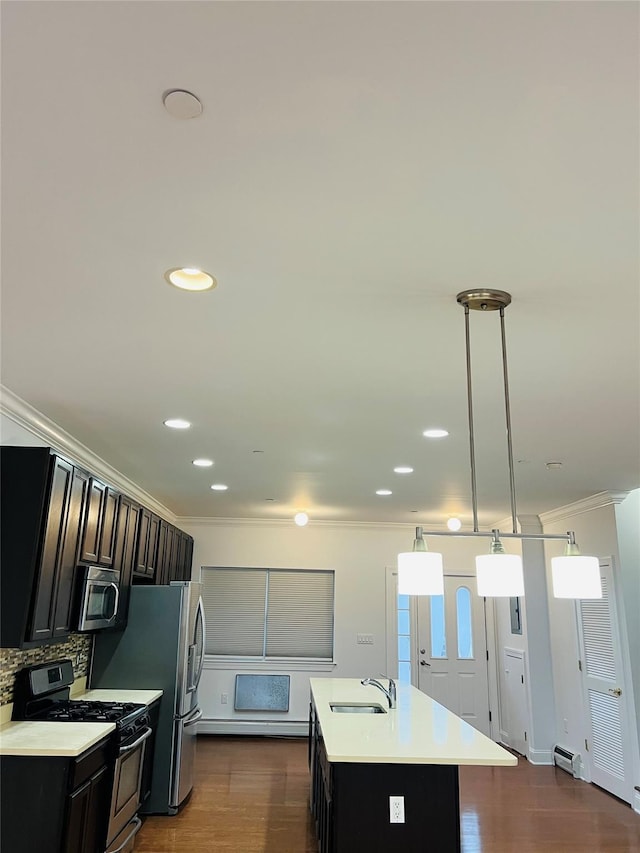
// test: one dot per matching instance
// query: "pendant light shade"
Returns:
(499, 574)
(575, 576)
(420, 571)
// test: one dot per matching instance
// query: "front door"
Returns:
(608, 748)
(452, 651)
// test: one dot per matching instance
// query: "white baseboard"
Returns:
(284, 728)
(540, 756)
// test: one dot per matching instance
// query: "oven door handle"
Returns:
(137, 824)
(147, 733)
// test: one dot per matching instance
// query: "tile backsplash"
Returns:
(77, 648)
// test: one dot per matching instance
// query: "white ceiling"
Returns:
(355, 166)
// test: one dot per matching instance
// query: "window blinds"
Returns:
(269, 613)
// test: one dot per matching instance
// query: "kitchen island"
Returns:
(386, 779)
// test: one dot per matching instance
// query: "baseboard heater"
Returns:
(569, 761)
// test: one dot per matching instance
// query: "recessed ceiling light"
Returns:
(203, 463)
(403, 469)
(435, 433)
(454, 524)
(553, 465)
(219, 487)
(301, 518)
(190, 278)
(384, 492)
(177, 423)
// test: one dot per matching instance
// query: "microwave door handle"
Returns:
(115, 605)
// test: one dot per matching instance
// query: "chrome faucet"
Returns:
(390, 693)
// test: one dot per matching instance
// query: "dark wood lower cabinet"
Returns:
(350, 804)
(55, 804)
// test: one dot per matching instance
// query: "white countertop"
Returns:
(112, 694)
(45, 738)
(418, 731)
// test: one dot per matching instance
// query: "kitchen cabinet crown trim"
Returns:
(52, 435)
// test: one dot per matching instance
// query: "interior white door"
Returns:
(604, 689)
(451, 651)
(515, 724)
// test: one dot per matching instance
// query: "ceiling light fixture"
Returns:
(203, 463)
(498, 573)
(190, 278)
(301, 518)
(403, 469)
(177, 423)
(384, 492)
(219, 487)
(435, 433)
(454, 524)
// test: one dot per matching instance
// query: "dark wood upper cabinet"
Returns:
(99, 531)
(147, 553)
(43, 503)
(125, 553)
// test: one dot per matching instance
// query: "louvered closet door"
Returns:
(604, 688)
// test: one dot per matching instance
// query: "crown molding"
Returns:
(47, 431)
(218, 521)
(601, 499)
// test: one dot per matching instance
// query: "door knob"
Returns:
(424, 663)
(615, 691)
(423, 651)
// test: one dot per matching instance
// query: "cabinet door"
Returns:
(108, 528)
(140, 567)
(162, 563)
(44, 600)
(87, 815)
(125, 552)
(94, 511)
(152, 550)
(65, 586)
(188, 557)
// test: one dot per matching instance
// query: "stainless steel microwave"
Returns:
(99, 596)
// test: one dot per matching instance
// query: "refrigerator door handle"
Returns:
(191, 680)
(193, 720)
(200, 616)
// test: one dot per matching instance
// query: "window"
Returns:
(404, 640)
(438, 628)
(465, 624)
(269, 613)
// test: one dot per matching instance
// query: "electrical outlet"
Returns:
(364, 639)
(224, 698)
(396, 809)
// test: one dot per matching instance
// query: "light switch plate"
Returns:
(364, 639)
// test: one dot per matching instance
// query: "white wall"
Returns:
(628, 525)
(359, 554)
(596, 534)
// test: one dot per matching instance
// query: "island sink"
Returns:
(355, 708)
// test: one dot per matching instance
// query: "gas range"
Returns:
(42, 694)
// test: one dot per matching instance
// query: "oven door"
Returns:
(99, 599)
(125, 797)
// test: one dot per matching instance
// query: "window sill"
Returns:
(260, 665)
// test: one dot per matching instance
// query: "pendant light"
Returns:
(498, 573)
(575, 576)
(419, 570)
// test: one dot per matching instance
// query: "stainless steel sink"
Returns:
(356, 708)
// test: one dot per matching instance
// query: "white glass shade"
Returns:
(576, 576)
(420, 573)
(499, 575)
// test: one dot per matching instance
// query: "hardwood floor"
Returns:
(251, 796)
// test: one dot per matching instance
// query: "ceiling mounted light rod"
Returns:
(488, 300)
(490, 534)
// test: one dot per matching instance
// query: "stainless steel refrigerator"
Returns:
(161, 648)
